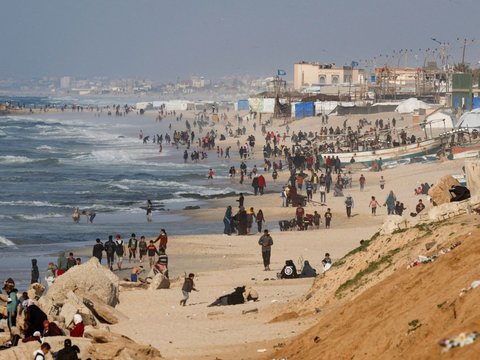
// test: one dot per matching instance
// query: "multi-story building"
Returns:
(65, 82)
(308, 74)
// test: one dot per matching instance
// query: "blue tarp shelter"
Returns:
(304, 109)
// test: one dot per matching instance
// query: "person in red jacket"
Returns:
(261, 184)
(78, 327)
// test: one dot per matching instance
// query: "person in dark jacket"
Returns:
(34, 318)
(308, 270)
(227, 218)
(98, 250)
(35, 272)
(188, 286)
(289, 270)
(459, 193)
(241, 200)
(255, 185)
(233, 298)
(109, 248)
(68, 352)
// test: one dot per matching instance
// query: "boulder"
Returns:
(107, 345)
(159, 281)
(439, 192)
(35, 291)
(130, 285)
(393, 222)
(24, 351)
(103, 312)
(472, 170)
(90, 277)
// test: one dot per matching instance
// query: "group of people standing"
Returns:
(117, 250)
(242, 222)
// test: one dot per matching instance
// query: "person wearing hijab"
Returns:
(78, 327)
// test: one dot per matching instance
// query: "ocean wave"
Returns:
(206, 193)
(11, 159)
(30, 203)
(46, 148)
(5, 242)
(39, 216)
(119, 186)
(3, 133)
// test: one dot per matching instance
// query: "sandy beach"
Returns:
(223, 262)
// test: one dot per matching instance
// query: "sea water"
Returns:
(53, 162)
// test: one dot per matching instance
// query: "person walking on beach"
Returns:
(349, 205)
(35, 272)
(250, 217)
(98, 250)
(151, 252)
(260, 220)
(132, 248)
(142, 248)
(328, 218)
(188, 286)
(261, 184)
(110, 250)
(241, 200)
(316, 219)
(373, 204)
(119, 251)
(227, 220)
(299, 213)
(309, 190)
(266, 243)
(362, 182)
(390, 202)
(149, 210)
(323, 193)
(163, 238)
(255, 185)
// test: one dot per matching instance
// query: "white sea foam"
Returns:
(10, 159)
(41, 216)
(46, 148)
(30, 203)
(5, 242)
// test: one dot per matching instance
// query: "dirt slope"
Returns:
(380, 309)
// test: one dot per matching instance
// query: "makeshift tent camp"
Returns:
(441, 118)
(410, 105)
(470, 119)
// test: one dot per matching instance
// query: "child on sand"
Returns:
(188, 286)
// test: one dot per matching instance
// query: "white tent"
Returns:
(442, 118)
(410, 105)
(470, 119)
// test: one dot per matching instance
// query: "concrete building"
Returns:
(308, 74)
(65, 82)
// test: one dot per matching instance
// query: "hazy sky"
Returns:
(165, 40)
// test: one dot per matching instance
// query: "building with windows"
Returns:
(308, 74)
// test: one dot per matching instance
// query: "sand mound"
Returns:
(374, 307)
